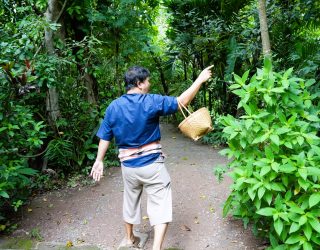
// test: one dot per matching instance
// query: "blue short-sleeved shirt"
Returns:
(133, 120)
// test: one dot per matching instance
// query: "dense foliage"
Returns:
(275, 155)
(62, 63)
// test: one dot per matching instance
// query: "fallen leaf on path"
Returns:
(69, 243)
(173, 137)
(44, 199)
(29, 210)
(145, 218)
(85, 222)
(50, 205)
(203, 196)
(185, 228)
(196, 220)
(184, 158)
(212, 210)
(80, 241)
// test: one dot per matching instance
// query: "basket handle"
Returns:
(181, 105)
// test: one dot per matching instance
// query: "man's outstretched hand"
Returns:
(97, 170)
(205, 74)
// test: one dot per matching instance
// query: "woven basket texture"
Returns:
(197, 124)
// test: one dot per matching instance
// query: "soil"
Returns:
(93, 214)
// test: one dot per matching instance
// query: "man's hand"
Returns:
(97, 170)
(205, 74)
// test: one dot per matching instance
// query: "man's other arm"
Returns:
(97, 168)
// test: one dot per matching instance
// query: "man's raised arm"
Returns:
(187, 96)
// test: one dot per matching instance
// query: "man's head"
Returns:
(135, 76)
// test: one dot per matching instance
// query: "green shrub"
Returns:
(20, 137)
(275, 155)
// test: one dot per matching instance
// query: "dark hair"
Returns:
(134, 75)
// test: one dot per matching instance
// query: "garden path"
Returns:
(92, 214)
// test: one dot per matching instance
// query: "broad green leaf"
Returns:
(227, 206)
(316, 239)
(313, 171)
(287, 73)
(316, 149)
(307, 231)
(4, 194)
(312, 118)
(234, 86)
(293, 239)
(267, 211)
(294, 227)
(261, 192)
(277, 186)
(304, 184)
(27, 171)
(277, 90)
(275, 166)
(267, 98)
(251, 193)
(278, 226)
(303, 173)
(303, 219)
(292, 119)
(310, 82)
(265, 170)
(300, 140)
(288, 145)
(248, 123)
(245, 76)
(239, 92)
(296, 209)
(282, 130)
(275, 139)
(247, 109)
(268, 197)
(315, 224)
(257, 203)
(238, 79)
(269, 154)
(314, 199)
(307, 246)
(264, 137)
(281, 117)
(263, 114)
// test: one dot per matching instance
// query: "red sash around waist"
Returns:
(132, 153)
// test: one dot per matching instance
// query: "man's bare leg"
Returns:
(129, 233)
(159, 233)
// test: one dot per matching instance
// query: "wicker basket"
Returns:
(197, 124)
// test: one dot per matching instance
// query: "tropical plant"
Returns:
(275, 155)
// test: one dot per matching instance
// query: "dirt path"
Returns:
(93, 214)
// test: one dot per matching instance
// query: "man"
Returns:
(133, 120)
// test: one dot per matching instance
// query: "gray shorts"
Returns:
(155, 179)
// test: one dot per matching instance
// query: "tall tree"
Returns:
(264, 28)
(52, 15)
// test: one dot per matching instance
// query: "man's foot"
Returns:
(134, 241)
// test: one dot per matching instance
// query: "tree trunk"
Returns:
(52, 103)
(264, 28)
(90, 83)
